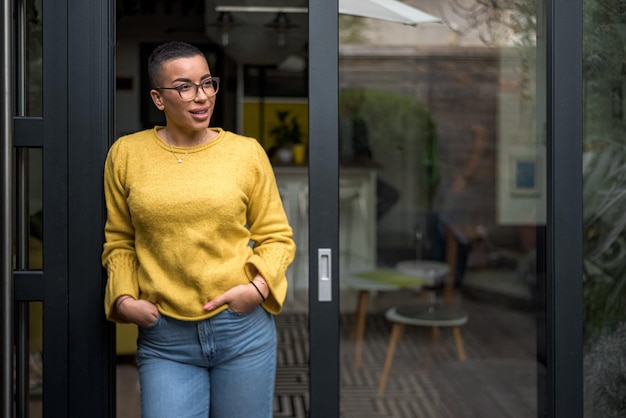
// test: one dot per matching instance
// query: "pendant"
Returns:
(180, 160)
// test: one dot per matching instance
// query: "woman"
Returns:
(197, 245)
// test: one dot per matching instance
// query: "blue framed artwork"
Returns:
(525, 176)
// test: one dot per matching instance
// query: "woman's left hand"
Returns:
(242, 298)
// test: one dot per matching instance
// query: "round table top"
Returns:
(383, 280)
(425, 314)
(431, 271)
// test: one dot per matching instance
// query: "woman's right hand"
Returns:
(140, 312)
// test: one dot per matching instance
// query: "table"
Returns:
(412, 277)
(434, 272)
(431, 314)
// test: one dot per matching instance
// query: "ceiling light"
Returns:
(261, 9)
(281, 24)
(225, 23)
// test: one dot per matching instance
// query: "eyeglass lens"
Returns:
(209, 87)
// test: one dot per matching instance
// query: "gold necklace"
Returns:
(181, 159)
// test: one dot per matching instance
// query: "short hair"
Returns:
(166, 52)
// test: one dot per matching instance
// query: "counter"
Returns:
(357, 222)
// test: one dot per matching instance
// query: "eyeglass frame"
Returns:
(198, 87)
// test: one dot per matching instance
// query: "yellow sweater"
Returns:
(180, 234)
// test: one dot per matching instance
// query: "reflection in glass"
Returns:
(36, 358)
(445, 118)
(604, 270)
(34, 59)
(29, 227)
(35, 206)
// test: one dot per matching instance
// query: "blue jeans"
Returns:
(221, 367)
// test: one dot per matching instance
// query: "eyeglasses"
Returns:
(187, 92)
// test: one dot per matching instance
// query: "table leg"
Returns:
(359, 330)
(396, 333)
(460, 347)
(435, 339)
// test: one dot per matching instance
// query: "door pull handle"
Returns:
(324, 275)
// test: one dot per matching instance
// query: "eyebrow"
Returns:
(187, 80)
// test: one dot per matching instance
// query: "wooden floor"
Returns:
(498, 379)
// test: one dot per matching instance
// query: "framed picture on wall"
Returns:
(525, 176)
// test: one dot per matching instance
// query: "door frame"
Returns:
(564, 233)
(560, 339)
(323, 206)
(74, 134)
(91, 113)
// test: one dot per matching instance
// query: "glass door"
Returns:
(53, 339)
(443, 189)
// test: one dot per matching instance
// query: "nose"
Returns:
(204, 95)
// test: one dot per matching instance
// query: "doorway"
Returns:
(79, 81)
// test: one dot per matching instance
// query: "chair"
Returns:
(434, 313)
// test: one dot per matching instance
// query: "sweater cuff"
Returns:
(122, 280)
(276, 282)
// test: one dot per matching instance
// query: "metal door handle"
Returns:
(324, 275)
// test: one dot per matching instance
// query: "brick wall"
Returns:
(459, 86)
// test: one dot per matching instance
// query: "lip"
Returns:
(200, 113)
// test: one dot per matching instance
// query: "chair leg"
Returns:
(460, 347)
(359, 327)
(396, 333)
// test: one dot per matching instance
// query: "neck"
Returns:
(184, 141)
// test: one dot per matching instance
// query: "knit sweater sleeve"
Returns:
(118, 257)
(274, 248)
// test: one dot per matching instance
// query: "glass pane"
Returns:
(34, 59)
(35, 207)
(604, 274)
(33, 104)
(35, 330)
(28, 227)
(442, 123)
(28, 364)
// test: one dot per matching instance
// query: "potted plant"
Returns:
(604, 169)
(604, 199)
(285, 134)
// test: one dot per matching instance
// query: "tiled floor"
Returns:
(499, 377)
(498, 374)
